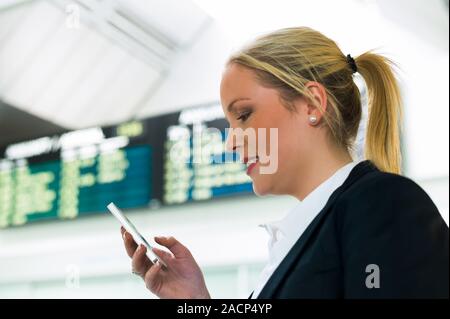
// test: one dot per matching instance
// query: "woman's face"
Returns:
(249, 105)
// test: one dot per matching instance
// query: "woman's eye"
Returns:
(244, 116)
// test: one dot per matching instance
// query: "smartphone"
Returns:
(130, 228)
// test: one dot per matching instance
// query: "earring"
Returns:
(312, 119)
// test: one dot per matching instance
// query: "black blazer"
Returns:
(372, 218)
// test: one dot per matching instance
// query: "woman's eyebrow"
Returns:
(230, 106)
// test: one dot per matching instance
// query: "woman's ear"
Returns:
(316, 103)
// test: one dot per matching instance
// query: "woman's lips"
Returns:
(251, 163)
(250, 168)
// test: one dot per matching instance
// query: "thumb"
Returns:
(177, 249)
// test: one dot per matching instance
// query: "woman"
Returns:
(360, 230)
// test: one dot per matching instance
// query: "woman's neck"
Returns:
(319, 170)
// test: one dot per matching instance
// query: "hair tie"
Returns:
(352, 63)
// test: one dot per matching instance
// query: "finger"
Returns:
(130, 245)
(122, 230)
(165, 256)
(140, 262)
(177, 249)
(151, 277)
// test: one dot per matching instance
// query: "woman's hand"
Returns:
(181, 279)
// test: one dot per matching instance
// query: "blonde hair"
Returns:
(289, 58)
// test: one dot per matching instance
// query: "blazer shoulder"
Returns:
(388, 185)
(383, 195)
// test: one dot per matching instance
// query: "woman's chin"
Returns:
(261, 190)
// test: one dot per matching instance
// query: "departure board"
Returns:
(195, 166)
(169, 159)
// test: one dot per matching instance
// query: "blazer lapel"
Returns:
(296, 251)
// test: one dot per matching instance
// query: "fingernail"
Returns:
(124, 235)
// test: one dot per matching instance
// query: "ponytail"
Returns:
(382, 145)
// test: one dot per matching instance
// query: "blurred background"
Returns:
(94, 94)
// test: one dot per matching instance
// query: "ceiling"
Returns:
(73, 62)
